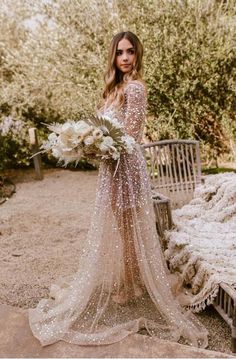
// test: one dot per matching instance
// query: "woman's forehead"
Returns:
(124, 44)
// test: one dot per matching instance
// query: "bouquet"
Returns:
(97, 138)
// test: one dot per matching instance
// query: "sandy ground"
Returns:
(43, 227)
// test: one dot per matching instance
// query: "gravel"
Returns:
(35, 236)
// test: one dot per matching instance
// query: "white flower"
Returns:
(72, 135)
(89, 140)
(97, 133)
(52, 138)
(128, 142)
(108, 141)
(72, 140)
(56, 152)
(106, 144)
(81, 127)
(5, 125)
(64, 133)
(64, 141)
(114, 153)
(8, 124)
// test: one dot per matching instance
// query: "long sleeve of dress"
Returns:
(135, 109)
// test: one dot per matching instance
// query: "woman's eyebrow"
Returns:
(130, 48)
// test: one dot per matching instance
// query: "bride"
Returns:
(121, 285)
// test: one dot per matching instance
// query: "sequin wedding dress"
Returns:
(121, 284)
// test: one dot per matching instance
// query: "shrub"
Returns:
(14, 149)
(56, 72)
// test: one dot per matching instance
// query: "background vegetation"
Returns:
(53, 56)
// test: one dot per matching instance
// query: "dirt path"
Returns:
(42, 230)
(43, 227)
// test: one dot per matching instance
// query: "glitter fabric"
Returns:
(121, 284)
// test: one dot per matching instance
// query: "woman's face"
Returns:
(125, 56)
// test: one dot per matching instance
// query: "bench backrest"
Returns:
(175, 168)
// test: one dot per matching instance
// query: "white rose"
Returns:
(103, 148)
(106, 144)
(108, 141)
(97, 133)
(89, 140)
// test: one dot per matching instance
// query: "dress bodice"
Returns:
(132, 113)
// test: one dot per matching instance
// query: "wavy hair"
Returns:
(114, 79)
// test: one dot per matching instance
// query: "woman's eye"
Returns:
(131, 51)
(118, 53)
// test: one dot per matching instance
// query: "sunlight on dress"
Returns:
(121, 285)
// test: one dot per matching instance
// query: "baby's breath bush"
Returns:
(14, 150)
(54, 71)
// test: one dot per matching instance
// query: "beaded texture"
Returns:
(121, 285)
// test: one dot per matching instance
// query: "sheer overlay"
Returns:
(122, 283)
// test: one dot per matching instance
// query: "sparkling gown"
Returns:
(122, 283)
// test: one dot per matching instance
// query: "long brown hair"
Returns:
(114, 79)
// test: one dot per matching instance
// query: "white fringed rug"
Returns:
(202, 247)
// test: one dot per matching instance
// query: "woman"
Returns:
(121, 285)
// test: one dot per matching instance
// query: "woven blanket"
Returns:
(202, 247)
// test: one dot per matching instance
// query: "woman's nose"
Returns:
(125, 57)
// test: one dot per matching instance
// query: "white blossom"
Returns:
(52, 138)
(89, 140)
(11, 126)
(70, 141)
(129, 143)
(114, 153)
(97, 133)
(106, 144)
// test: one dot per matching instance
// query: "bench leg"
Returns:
(233, 339)
(233, 345)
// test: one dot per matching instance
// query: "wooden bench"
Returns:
(175, 171)
(225, 304)
(174, 168)
(164, 221)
